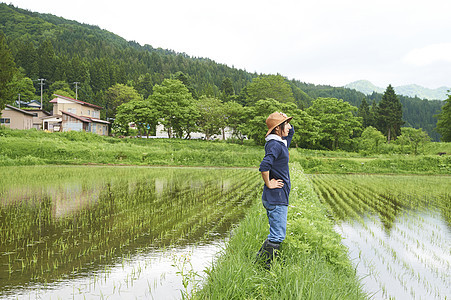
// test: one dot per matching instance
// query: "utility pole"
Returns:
(41, 82)
(76, 90)
(19, 100)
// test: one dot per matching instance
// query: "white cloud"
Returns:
(429, 55)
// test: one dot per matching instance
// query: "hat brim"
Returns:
(272, 128)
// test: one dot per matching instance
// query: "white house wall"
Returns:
(161, 133)
(72, 126)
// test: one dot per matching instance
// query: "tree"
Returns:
(77, 70)
(236, 117)
(444, 121)
(227, 88)
(140, 112)
(7, 72)
(371, 139)
(337, 120)
(365, 113)
(413, 138)
(61, 88)
(211, 116)
(269, 86)
(187, 82)
(306, 127)
(389, 114)
(119, 94)
(46, 62)
(144, 85)
(27, 58)
(256, 127)
(24, 86)
(302, 100)
(174, 101)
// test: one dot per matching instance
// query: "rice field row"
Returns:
(397, 229)
(74, 225)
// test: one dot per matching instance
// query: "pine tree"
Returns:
(389, 114)
(7, 72)
(364, 113)
(47, 63)
(227, 88)
(444, 121)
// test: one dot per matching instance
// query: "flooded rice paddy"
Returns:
(397, 229)
(115, 232)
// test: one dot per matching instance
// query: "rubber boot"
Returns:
(267, 253)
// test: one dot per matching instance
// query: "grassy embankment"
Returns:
(32, 147)
(312, 264)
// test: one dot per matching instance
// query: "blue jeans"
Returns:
(277, 217)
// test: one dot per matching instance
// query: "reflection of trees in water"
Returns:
(84, 227)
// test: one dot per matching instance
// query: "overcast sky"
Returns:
(331, 42)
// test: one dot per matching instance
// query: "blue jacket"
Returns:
(276, 162)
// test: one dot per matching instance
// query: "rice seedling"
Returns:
(400, 244)
(69, 223)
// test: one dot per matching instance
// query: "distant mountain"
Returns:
(411, 90)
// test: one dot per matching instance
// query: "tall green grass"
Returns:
(312, 264)
(31, 147)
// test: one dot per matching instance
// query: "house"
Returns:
(16, 118)
(32, 104)
(38, 114)
(74, 115)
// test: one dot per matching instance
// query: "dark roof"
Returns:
(19, 110)
(75, 100)
(83, 119)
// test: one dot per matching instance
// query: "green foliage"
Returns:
(47, 61)
(413, 139)
(8, 70)
(236, 118)
(227, 88)
(389, 114)
(24, 87)
(381, 164)
(61, 88)
(24, 147)
(307, 129)
(269, 86)
(142, 113)
(371, 140)
(176, 105)
(256, 126)
(444, 121)
(302, 100)
(337, 121)
(211, 116)
(367, 115)
(117, 95)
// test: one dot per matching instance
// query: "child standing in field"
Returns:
(276, 175)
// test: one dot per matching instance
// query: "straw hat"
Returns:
(275, 119)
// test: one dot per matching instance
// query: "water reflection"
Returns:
(397, 230)
(76, 226)
(413, 262)
(149, 275)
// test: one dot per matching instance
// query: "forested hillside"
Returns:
(65, 52)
